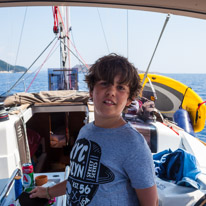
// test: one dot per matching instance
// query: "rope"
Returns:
(75, 51)
(23, 80)
(40, 68)
(72, 43)
(79, 54)
(164, 26)
(74, 54)
(200, 104)
(80, 62)
(36, 69)
(14, 85)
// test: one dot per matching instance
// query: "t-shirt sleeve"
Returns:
(138, 163)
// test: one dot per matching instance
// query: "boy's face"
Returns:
(110, 99)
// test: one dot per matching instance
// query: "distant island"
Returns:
(6, 67)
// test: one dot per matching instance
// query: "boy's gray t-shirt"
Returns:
(105, 166)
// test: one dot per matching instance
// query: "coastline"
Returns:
(6, 72)
(9, 72)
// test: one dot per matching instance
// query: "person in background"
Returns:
(110, 163)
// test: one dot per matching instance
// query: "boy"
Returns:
(110, 163)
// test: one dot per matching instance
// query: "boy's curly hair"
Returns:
(107, 67)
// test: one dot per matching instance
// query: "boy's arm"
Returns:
(54, 191)
(148, 196)
(58, 189)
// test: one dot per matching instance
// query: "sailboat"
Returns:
(43, 127)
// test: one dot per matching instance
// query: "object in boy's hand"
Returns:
(25, 200)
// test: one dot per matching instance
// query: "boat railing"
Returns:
(5, 192)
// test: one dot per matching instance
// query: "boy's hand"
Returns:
(38, 192)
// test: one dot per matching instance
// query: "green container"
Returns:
(28, 177)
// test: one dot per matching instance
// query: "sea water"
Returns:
(40, 83)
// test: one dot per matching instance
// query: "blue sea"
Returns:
(195, 81)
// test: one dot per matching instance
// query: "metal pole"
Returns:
(164, 26)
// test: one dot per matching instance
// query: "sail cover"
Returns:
(47, 97)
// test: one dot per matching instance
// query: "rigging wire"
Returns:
(8, 66)
(103, 31)
(40, 67)
(22, 29)
(74, 54)
(68, 30)
(80, 63)
(64, 55)
(68, 45)
(28, 76)
(14, 85)
(127, 34)
(164, 26)
(72, 43)
(79, 54)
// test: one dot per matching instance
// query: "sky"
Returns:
(131, 33)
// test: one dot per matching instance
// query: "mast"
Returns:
(65, 78)
(64, 53)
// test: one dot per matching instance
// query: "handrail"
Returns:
(8, 186)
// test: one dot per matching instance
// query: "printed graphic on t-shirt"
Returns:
(86, 173)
